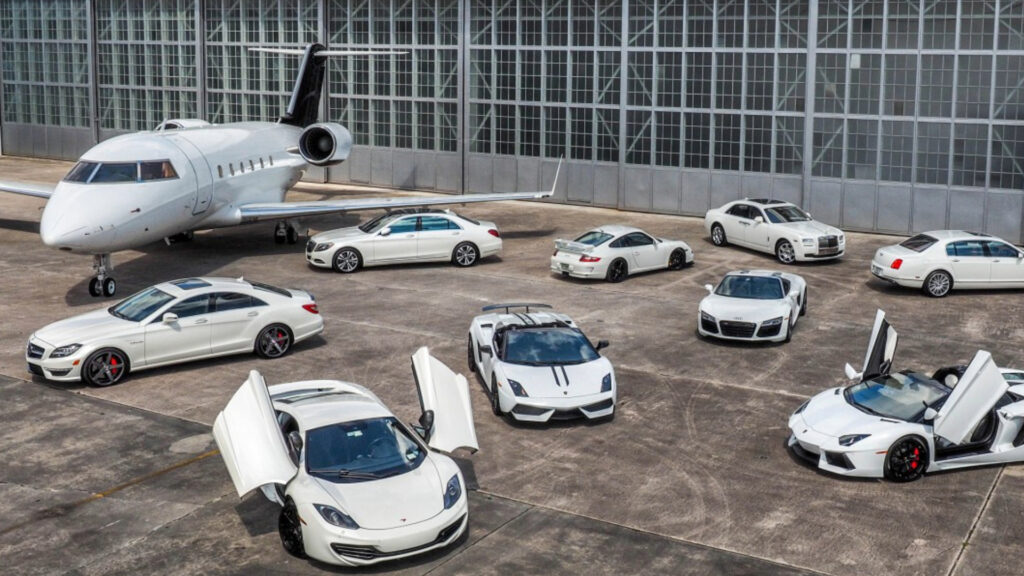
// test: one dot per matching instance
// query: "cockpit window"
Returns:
(116, 172)
(160, 170)
(81, 172)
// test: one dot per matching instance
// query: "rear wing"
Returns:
(573, 247)
(509, 306)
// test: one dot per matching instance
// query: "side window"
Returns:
(951, 249)
(755, 212)
(785, 285)
(620, 243)
(969, 248)
(403, 226)
(254, 301)
(740, 211)
(1001, 250)
(429, 223)
(640, 239)
(224, 301)
(193, 306)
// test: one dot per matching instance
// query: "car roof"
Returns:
(203, 283)
(617, 229)
(531, 319)
(765, 202)
(958, 235)
(759, 273)
(330, 402)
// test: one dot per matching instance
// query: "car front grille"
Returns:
(36, 369)
(525, 410)
(830, 241)
(34, 351)
(310, 246)
(838, 460)
(769, 331)
(372, 553)
(737, 329)
(598, 406)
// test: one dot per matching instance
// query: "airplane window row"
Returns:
(120, 172)
(241, 166)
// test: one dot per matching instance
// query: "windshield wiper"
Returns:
(343, 473)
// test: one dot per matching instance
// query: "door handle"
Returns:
(201, 321)
(252, 314)
(956, 259)
(456, 233)
(995, 261)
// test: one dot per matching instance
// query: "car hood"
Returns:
(744, 309)
(810, 228)
(559, 381)
(82, 328)
(390, 502)
(339, 234)
(829, 413)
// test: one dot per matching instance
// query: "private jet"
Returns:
(189, 175)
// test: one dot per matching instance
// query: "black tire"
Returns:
(785, 252)
(906, 459)
(470, 357)
(465, 255)
(937, 284)
(109, 287)
(279, 238)
(95, 290)
(290, 530)
(789, 333)
(292, 235)
(105, 367)
(618, 270)
(677, 259)
(274, 341)
(718, 235)
(493, 392)
(803, 304)
(347, 260)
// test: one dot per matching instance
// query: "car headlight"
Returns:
(851, 439)
(606, 383)
(336, 517)
(452, 492)
(705, 316)
(842, 239)
(517, 389)
(323, 246)
(772, 322)
(808, 242)
(801, 408)
(65, 351)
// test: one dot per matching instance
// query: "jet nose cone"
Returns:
(62, 237)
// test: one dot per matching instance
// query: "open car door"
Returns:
(881, 351)
(974, 395)
(249, 439)
(446, 394)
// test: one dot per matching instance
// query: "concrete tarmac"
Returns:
(692, 476)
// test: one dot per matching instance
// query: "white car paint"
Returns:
(433, 236)
(759, 224)
(842, 438)
(944, 260)
(268, 438)
(591, 254)
(188, 326)
(732, 318)
(552, 390)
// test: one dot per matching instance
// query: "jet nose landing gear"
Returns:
(101, 284)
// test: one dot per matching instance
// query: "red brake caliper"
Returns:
(113, 365)
(916, 457)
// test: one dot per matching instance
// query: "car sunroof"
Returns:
(190, 283)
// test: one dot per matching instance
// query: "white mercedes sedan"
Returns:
(427, 236)
(356, 486)
(753, 305)
(170, 323)
(945, 260)
(775, 227)
(614, 252)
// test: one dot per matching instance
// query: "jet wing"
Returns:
(37, 190)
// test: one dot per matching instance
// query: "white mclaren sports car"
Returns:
(774, 227)
(355, 485)
(423, 236)
(539, 366)
(944, 260)
(899, 425)
(173, 322)
(753, 305)
(614, 252)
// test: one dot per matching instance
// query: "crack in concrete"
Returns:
(977, 520)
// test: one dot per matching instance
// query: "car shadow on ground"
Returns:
(739, 343)
(515, 234)
(483, 262)
(775, 261)
(882, 287)
(20, 225)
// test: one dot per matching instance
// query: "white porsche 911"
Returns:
(356, 486)
(899, 425)
(538, 366)
(753, 305)
(423, 236)
(944, 260)
(614, 252)
(173, 322)
(774, 227)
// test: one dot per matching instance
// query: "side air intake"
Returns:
(325, 144)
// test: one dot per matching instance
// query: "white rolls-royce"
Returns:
(775, 227)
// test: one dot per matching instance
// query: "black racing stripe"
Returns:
(555, 374)
(565, 375)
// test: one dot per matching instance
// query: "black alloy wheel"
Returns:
(677, 259)
(906, 460)
(617, 271)
(470, 358)
(274, 341)
(803, 304)
(495, 402)
(290, 530)
(105, 367)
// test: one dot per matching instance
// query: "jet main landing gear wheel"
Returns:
(102, 284)
(285, 232)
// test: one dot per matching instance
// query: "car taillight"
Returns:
(494, 233)
(896, 264)
(586, 258)
(311, 308)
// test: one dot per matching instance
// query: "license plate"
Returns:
(876, 270)
(565, 267)
(828, 251)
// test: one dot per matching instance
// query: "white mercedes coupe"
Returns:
(899, 425)
(774, 227)
(173, 322)
(614, 252)
(424, 236)
(753, 305)
(944, 260)
(355, 485)
(539, 366)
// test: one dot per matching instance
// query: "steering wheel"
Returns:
(380, 447)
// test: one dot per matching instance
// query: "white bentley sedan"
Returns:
(614, 252)
(945, 260)
(356, 486)
(427, 236)
(173, 322)
(775, 227)
(753, 305)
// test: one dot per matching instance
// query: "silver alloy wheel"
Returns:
(274, 341)
(717, 235)
(785, 253)
(938, 284)
(465, 254)
(346, 261)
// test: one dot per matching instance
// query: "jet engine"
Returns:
(325, 144)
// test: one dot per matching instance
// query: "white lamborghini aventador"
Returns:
(356, 485)
(899, 425)
(753, 305)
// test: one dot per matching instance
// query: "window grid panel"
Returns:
(897, 151)
(932, 153)
(970, 154)
(828, 148)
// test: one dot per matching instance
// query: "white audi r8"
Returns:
(170, 323)
(944, 260)
(899, 425)
(426, 236)
(355, 485)
(614, 252)
(539, 366)
(753, 305)
(774, 227)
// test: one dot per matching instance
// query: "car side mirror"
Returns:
(758, 220)
(930, 413)
(709, 288)
(426, 427)
(295, 441)
(852, 373)
(385, 231)
(485, 349)
(1020, 255)
(170, 318)
(602, 344)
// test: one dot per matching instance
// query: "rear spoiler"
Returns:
(509, 306)
(574, 247)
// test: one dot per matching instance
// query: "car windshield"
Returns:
(900, 396)
(752, 287)
(362, 450)
(1013, 376)
(548, 346)
(374, 224)
(140, 305)
(780, 214)
(594, 238)
(918, 243)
